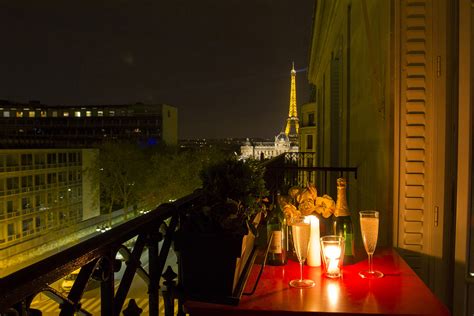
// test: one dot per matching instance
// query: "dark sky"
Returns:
(224, 63)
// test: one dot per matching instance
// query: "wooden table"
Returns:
(400, 292)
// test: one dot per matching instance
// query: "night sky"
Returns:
(224, 63)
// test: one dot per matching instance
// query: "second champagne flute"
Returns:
(301, 231)
(369, 227)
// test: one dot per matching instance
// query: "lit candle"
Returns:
(332, 253)
(314, 252)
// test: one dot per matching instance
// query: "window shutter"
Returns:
(415, 135)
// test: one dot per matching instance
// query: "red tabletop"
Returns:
(400, 292)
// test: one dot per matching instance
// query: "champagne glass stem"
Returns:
(371, 262)
(301, 270)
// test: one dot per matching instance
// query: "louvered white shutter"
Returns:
(415, 135)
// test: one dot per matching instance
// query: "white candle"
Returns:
(332, 253)
(314, 252)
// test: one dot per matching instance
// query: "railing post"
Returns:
(106, 287)
(132, 309)
(153, 287)
(169, 293)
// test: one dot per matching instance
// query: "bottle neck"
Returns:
(341, 203)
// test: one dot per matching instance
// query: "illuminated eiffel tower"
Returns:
(292, 122)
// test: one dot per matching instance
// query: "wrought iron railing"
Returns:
(297, 169)
(95, 257)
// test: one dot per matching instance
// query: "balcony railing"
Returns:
(96, 256)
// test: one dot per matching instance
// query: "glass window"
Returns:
(26, 181)
(72, 157)
(11, 229)
(100, 113)
(112, 113)
(44, 114)
(12, 183)
(26, 159)
(66, 114)
(52, 159)
(309, 141)
(88, 113)
(311, 119)
(62, 158)
(6, 114)
(52, 178)
(25, 203)
(27, 226)
(19, 113)
(11, 206)
(77, 113)
(62, 177)
(31, 114)
(39, 179)
(40, 159)
(55, 113)
(12, 160)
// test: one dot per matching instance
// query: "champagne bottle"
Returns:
(342, 223)
(276, 227)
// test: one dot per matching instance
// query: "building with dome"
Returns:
(267, 150)
(286, 141)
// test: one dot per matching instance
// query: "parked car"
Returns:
(68, 280)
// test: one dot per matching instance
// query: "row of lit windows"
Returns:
(63, 113)
(37, 223)
(14, 160)
(40, 201)
(32, 181)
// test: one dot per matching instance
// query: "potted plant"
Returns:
(214, 241)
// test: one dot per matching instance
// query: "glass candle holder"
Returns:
(332, 251)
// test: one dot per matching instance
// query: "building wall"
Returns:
(385, 104)
(307, 142)
(42, 190)
(307, 136)
(170, 125)
(353, 127)
(90, 189)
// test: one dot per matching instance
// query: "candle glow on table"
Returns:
(333, 254)
(314, 251)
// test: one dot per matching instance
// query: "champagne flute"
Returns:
(301, 231)
(369, 227)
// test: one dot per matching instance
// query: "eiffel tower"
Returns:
(292, 122)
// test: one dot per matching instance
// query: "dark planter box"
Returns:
(211, 266)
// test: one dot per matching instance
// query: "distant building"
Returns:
(36, 125)
(46, 180)
(285, 141)
(43, 190)
(267, 150)
(228, 145)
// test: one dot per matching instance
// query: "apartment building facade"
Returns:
(42, 190)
